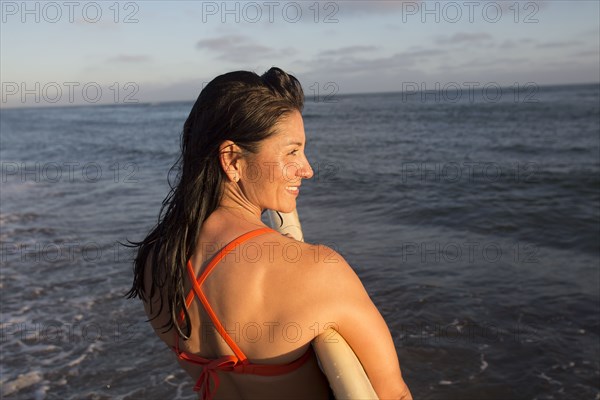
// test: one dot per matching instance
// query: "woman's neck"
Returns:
(237, 205)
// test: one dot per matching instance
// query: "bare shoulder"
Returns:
(329, 273)
(332, 295)
(308, 269)
(315, 264)
(281, 248)
(324, 284)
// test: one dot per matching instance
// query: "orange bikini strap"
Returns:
(197, 286)
(227, 249)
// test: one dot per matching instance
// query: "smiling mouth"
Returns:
(293, 189)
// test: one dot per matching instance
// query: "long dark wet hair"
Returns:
(239, 106)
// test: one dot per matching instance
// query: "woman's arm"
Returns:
(342, 300)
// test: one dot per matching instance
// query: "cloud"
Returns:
(527, 7)
(464, 37)
(508, 44)
(343, 65)
(376, 7)
(491, 62)
(421, 53)
(130, 58)
(593, 53)
(220, 43)
(592, 32)
(238, 48)
(354, 54)
(359, 8)
(558, 44)
(386, 7)
(346, 51)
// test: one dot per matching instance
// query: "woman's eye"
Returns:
(294, 152)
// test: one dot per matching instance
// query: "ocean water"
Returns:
(474, 225)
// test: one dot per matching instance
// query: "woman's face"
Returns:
(272, 177)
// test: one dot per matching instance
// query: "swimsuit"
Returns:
(237, 363)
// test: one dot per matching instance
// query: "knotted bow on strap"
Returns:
(209, 374)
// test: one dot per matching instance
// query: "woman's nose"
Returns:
(306, 170)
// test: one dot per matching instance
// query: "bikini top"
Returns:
(237, 363)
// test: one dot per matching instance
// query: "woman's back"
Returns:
(248, 290)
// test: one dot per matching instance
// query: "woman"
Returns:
(237, 302)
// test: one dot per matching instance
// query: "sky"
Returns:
(107, 52)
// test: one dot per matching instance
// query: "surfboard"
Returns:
(337, 360)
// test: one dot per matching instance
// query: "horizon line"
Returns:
(161, 102)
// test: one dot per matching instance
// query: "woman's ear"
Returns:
(230, 155)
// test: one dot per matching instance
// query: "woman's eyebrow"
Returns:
(294, 144)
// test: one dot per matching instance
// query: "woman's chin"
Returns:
(287, 208)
